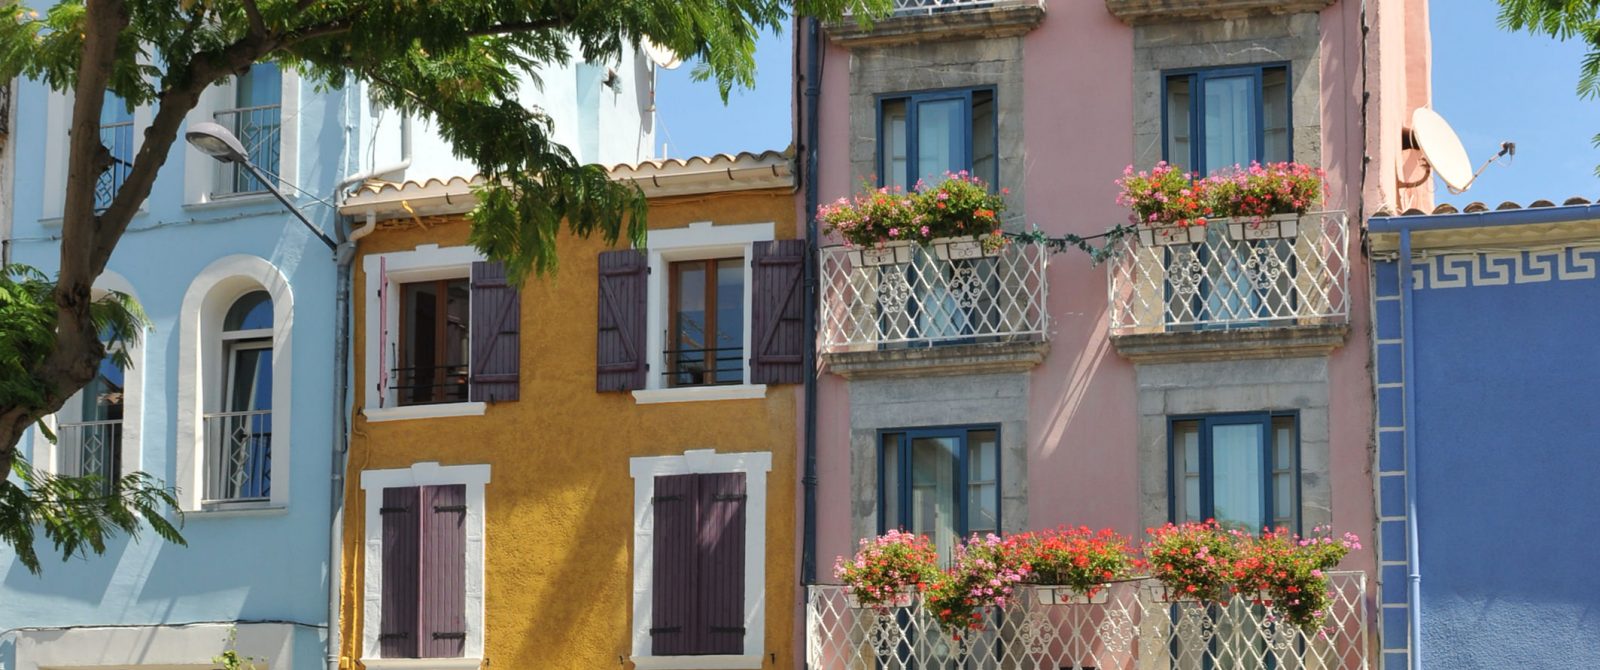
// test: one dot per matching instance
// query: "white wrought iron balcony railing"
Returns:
(238, 456)
(1231, 275)
(924, 296)
(911, 7)
(87, 448)
(259, 130)
(1131, 626)
(118, 138)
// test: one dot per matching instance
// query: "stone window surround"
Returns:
(1173, 389)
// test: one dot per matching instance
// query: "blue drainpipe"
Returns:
(1408, 373)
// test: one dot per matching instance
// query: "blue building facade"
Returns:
(1486, 471)
(232, 397)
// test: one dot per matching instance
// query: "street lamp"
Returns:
(217, 142)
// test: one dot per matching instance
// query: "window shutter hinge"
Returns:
(450, 636)
(449, 508)
(394, 510)
(394, 636)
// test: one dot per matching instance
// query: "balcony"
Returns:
(1266, 290)
(933, 20)
(922, 309)
(260, 131)
(118, 139)
(1134, 628)
(88, 448)
(238, 457)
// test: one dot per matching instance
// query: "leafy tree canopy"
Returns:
(1563, 20)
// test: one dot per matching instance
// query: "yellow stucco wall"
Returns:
(559, 505)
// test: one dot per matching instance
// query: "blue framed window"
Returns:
(116, 134)
(923, 135)
(940, 482)
(1221, 117)
(1241, 469)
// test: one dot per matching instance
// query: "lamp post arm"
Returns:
(273, 188)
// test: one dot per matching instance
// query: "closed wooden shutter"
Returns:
(397, 636)
(444, 572)
(674, 623)
(620, 359)
(720, 554)
(777, 320)
(496, 334)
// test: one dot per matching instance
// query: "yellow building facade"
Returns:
(504, 506)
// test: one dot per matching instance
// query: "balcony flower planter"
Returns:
(1162, 593)
(962, 248)
(1167, 236)
(1275, 227)
(1066, 595)
(887, 253)
(902, 598)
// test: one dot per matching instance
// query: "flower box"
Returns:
(887, 253)
(1066, 595)
(1275, 227)
(1162, 594)
(961, 248)
(902, 598)
(1166, 236)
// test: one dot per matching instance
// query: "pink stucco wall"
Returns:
(1078, 121)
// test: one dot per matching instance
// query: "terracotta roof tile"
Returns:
(1479, 206)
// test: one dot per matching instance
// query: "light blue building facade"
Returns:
(233, 396)
(1486, 472)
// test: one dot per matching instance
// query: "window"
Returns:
(1241, 469)
(90, 442)
(940, 482)
(922, 136)
(1223, 117)
(707, 322)
(116, 134)
(698, 564)
(433, 342)
(239, 437)
(254, 119)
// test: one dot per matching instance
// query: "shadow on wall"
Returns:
(80, 580)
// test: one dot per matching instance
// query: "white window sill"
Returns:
(721, 662)
(422, 663)
(230, 200)
(226, 509)
(443, 410)
(700, 393)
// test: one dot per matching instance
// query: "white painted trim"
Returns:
(422, 663)
(475, 478)
(202, 174)
(721, 662)
(58, 114)
(429, 261)
(696, 241)
(439, 411)
(191, 645)
(699, 393)
(45, 453)
(755, 465)
(200, 356)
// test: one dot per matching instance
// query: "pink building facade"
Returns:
(1219, 378)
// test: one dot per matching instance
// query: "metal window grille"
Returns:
(259, 130)
(90, 448)
(118, 138)
(238, 456)
(902, 7)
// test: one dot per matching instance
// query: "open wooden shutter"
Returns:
(620, 361)
(496, 334)
(444, 572)
(397, 629)
(674, 623)
(720, 553)
(777, 320)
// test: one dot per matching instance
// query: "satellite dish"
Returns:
(1442, 149)
(663, 57)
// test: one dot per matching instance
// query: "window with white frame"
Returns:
(239, 435)
(699, 559)
(423, 565)
(259, 107)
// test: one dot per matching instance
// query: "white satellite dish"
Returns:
(1442, 149)
(663, 57)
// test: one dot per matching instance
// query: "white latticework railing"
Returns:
(902, 7)
(1135, 628)
(1233, 277)
(923, 299)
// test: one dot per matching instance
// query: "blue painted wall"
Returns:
(269, 565)
(1507, 472)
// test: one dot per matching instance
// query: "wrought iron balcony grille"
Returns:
(430, 384)
(238, 456)
(259, 130)
(912, 7)
(1229, 280)
(1135, 627)
(118, 138)
(704, 367)
(927, 300)
(88, 448)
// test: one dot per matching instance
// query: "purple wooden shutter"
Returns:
(777, 320)
(496, 334)
(444, 572)
(620, 359)
(674, 624)
(720, 553)
(397, 636)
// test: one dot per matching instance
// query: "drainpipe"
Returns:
(813, 91)
(1408, 371)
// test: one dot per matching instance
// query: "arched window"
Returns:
(239, 437)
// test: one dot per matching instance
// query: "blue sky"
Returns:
(1490, 84)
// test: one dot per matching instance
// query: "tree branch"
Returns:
(258, 26)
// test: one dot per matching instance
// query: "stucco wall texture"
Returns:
(559, 505)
